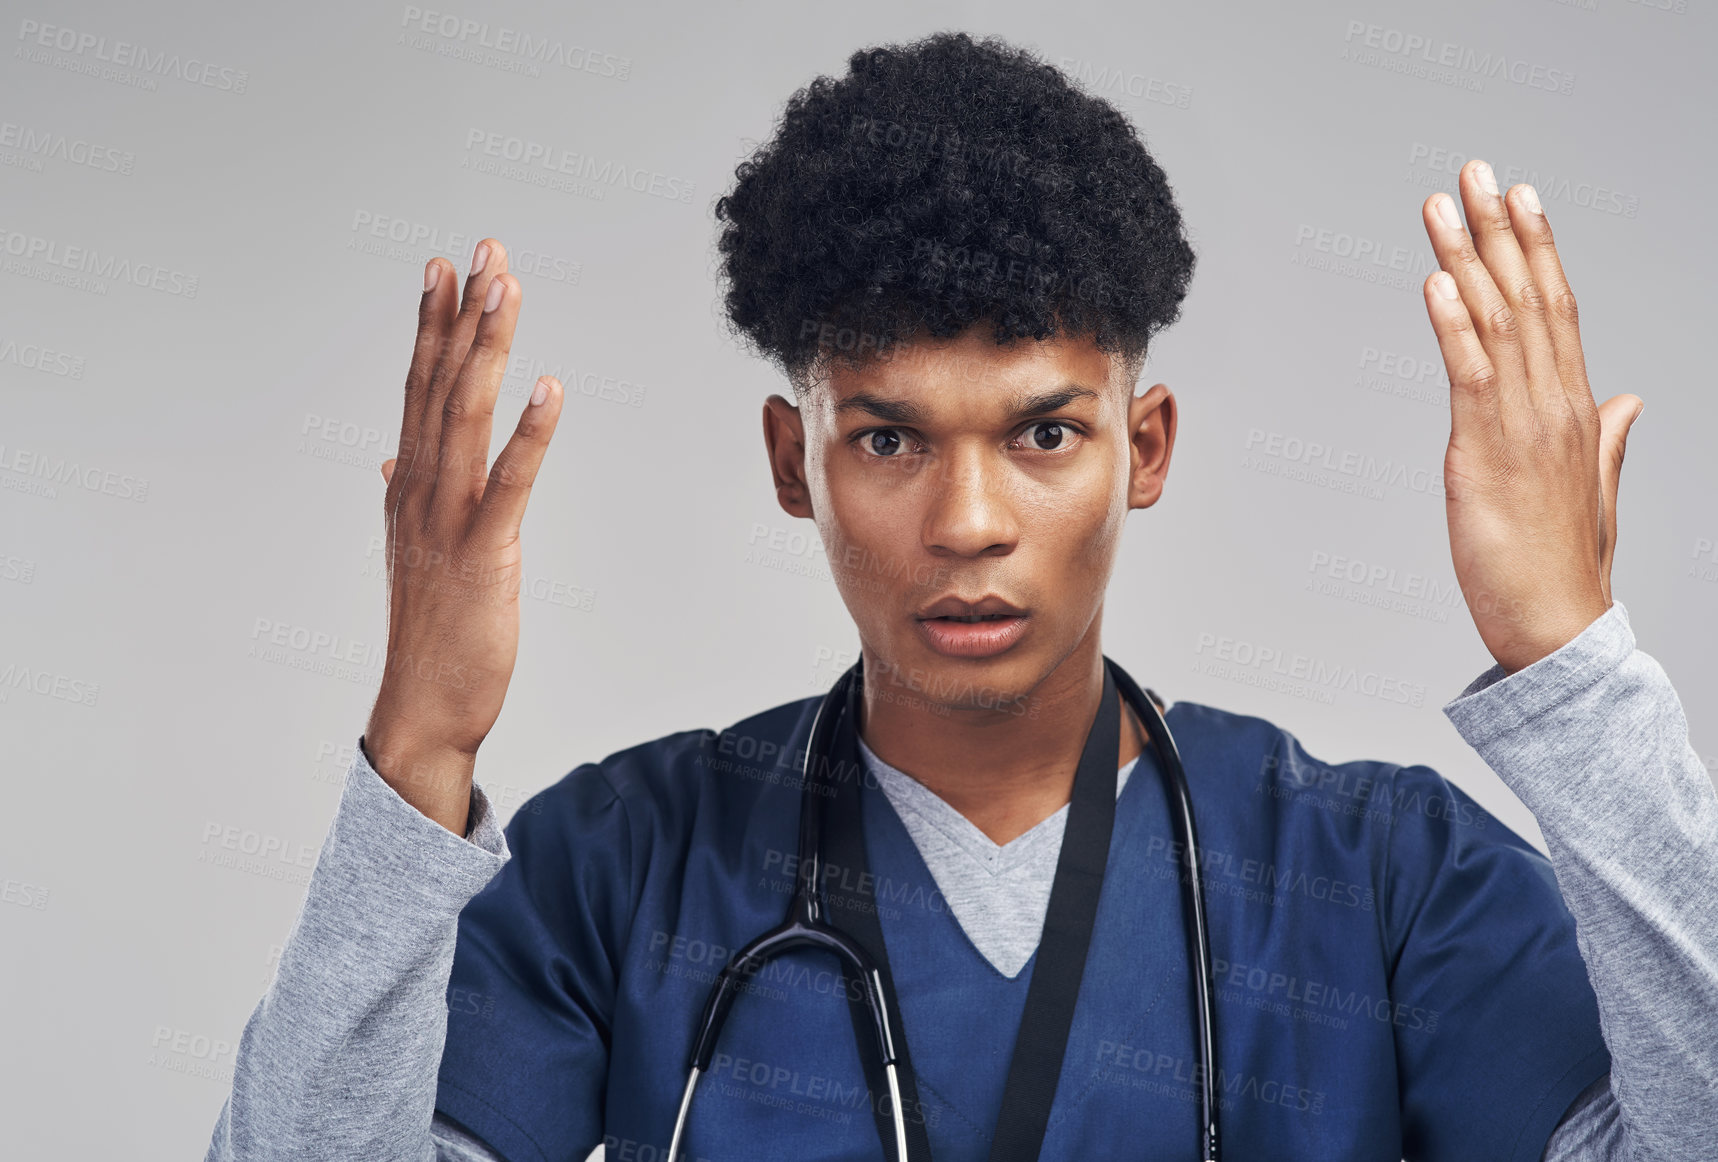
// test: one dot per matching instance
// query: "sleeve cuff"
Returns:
(390, 829)
(1494, 702)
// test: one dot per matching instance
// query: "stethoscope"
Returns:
(806, 926)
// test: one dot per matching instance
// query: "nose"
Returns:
(969, 513)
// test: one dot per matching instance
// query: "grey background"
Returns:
(136, 940)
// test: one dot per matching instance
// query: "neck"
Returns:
(1004, 770)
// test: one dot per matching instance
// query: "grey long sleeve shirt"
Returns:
(339, 1060)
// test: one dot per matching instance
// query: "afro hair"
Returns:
(939, 184)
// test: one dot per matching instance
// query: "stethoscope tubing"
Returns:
(805, 925)
(1199, 935)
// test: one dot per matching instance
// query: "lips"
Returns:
(960, 627)
(962, 609)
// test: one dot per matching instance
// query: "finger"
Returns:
(388, 471)
(1493, 321)
(502, 509)
(1561, 317)
(1494, 238)
(435, 315)
(469, 410)
(488, 260)
(1474, 415)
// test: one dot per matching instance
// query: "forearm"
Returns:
(339, 1059)
(1594, 741)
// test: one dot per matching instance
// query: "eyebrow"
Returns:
(900, 411)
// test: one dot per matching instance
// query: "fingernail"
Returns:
(497, 288)
(539, 393)
(431, 273)
(1444, 284)
(1447, 211)
(1530, 196)
(481, 257)
(1487, 179)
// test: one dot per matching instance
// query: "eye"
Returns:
(1051, 435)
(881, 443)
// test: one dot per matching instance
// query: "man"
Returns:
(958, 261)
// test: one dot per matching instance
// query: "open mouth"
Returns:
(972, 635)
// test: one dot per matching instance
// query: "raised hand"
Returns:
(1531, 474)
(454, 560)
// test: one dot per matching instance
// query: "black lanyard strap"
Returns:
(1042, 1042)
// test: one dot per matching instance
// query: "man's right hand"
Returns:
(454, 561)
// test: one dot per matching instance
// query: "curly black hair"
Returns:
(938, 184)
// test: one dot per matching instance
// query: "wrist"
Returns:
(433, 777)
(1547, 641)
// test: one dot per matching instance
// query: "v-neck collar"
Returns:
(909, 796)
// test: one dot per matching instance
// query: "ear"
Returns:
(1151, 428)
(784, 437)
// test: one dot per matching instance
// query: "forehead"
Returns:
(968, 372)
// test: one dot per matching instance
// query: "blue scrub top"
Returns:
(1396, 972)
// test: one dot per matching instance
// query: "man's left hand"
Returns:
(1530, 477)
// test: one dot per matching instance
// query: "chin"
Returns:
(916, 670)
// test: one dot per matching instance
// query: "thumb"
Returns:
(1616, 416)
(387, 471)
